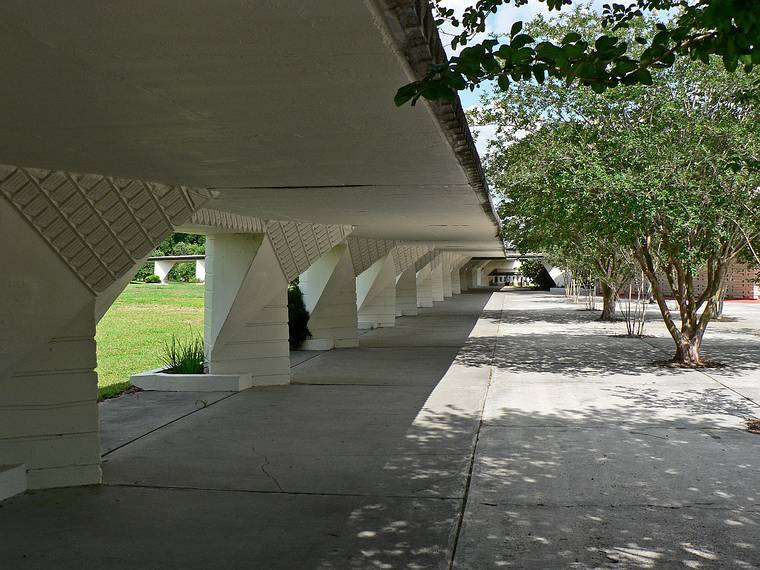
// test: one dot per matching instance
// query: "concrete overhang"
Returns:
(284, 109)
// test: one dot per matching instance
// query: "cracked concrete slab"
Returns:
(363, 463)
(131, 416)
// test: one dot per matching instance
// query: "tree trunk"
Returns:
(688, 350)
(609, 296)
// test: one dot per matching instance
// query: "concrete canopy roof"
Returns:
(285, 109)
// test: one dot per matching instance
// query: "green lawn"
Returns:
(132, 333)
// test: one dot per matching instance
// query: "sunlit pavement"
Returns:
(503, 429)
(591, 457)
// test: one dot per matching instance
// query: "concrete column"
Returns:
(425, 287)
(479, 277)
(376, 294)
(437, 281)
(48, 384)
(446, 277)
(456, 284)
(329, 291)
(465, 278)
(49, 412)
(246, 320)
(406, 293)
(162, 269)
(200, 270)
(73, 241)
(557, 274)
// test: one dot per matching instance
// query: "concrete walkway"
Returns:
(590, 457)
(361, 462)
(494, 430)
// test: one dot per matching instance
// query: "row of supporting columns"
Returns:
(246, 302)
(49, 415)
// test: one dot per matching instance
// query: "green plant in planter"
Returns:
(152, 279)
(184, 357)
(298, 316)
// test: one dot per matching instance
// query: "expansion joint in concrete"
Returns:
(293, 493)
(471, 466)
(162, 426)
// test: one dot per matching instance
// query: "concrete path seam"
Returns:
(468, 481)
(264, 492)
(183, 416)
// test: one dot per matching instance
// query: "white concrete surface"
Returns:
(174, 117)
(406, 293)
(353, 465)
(436, 280)
(592, 457)
(200, 270)
(246, 323)
(351, 158)
(161, 381)
(531, 437)
(12, 480)
(425, 287)
(329, 290)
(376, 295)
(162, 269)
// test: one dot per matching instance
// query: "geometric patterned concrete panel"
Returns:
(364, 252)
(405, 256)
(100, 226)
(227, 220)
(299, 245)
(432, 257)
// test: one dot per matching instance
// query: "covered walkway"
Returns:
(361, 461)
(497, 429)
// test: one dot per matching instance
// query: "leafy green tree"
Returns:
(728, 29)
(668, 175)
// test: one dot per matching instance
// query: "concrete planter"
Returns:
(12, 480)
(161, 381)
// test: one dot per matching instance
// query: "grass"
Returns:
(132, 334)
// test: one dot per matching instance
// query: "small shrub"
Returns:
(184, 357)
(152, 279)
(298, 316)
(144, 271)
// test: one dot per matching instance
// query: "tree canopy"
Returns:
(666, 176)
(700, 30)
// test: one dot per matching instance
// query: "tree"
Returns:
(669, 174)
(544, 211)
(729, 29)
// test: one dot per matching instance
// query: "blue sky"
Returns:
(501, 22)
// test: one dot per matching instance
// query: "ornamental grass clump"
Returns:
(184, 357)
